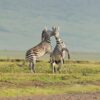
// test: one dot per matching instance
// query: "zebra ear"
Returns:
(45, 28)
(57, 29)
(54, 28)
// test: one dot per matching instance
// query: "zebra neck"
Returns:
(57, 42)
(48, 41)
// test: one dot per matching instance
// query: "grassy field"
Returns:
(75, 77)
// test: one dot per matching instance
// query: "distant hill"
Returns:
(22, 21)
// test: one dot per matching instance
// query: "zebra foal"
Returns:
(42, 48)
(58, 54)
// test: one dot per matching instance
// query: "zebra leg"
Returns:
(53, 67)
(30, 65)
(60, 65)
(33, 67)
(33, 64)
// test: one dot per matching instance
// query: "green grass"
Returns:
(48, 90)
(73, 78)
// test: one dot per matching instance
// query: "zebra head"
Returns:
(45, 34)
(55, 31)
(49, 33)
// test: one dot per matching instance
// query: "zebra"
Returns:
(58, 54)
(42, 48)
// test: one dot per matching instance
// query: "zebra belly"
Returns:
(57, 61)
(41, 53)
(57, 57)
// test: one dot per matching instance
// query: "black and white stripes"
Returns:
(42, 48)
(58, 54)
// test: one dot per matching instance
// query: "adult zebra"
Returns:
(58, 54)
(42, 48)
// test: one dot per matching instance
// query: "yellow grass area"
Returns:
(16, 79)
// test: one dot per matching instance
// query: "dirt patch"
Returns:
(79, 96)
(30, 84)
(23, 84)
(96, 83)
(7, 84)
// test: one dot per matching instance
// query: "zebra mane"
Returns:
(54, 28)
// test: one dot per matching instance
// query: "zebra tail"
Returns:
(65, 49)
